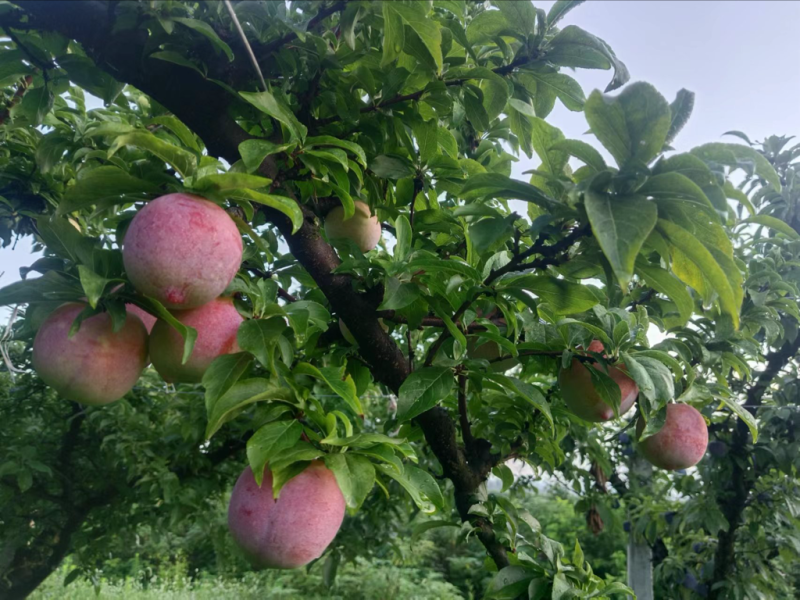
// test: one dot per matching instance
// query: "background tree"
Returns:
(411, 108)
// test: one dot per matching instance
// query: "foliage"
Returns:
(418, 109)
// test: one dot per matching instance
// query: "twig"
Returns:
(282, 293)
(250, 53)
(322, 14)
(504, 70)
(466, 430)
(410, 350)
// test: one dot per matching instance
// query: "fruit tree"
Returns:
(258, 173)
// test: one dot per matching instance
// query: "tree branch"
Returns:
(732, 500)
(263, 50)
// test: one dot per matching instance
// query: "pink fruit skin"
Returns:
(146, 318)
(182, 250)
(294, 529)
(682, 441)
(580, 396)
(95, 366)
(216, 323)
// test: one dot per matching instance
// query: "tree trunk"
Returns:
(640, 555)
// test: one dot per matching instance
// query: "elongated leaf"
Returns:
(665, 283)
(632, 125)
(563, 297)
(223, 372)
(680, 110)
(355, 476)
(621, 224)
(103, 187)
(419, 484)
(415, 15)
(329, 140)
(721, 153)
(287, 206)
(241, 394)
(564, 87)
(253, 152)
(743, 414)
(269, 441)
(705, 262)
(559, 9)
(582, 151)
(776, 224)
(673, 186)
(205, 29)
(260, 336)
(574, 47)
(451, 265)
(495, 185)
(269, 104)
(422, 390)
(227, 181)
(335, 379)
(183, 161)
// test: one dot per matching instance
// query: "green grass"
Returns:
(362, 580)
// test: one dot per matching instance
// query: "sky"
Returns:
(739, 57)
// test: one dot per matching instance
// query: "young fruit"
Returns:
(216, 323)
(489, 351)
(363, 228)
(294, 529)
(680, 443)
(581, 396)
(96, 365)
(182, 250)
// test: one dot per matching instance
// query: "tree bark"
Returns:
(640, 554)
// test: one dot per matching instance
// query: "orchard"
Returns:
(291, 296)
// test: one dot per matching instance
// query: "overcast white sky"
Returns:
(739, 57)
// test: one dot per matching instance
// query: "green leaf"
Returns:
(50, 150)
(103, 187)
(50, 286)
(422, 390)
(621, 224)
(259, 337)
(83, 72)
(543, 137)
(241, 394)
(154, 307)
(427, 135)
(397, 295)
(269, 441)
(504, 474)
(415, 15)
(177, 127)
(269, 104)
(391, 167)
(696, 252)
(403, 235)
(509, 583)
(35, 105)
(632, 125)
(287, 206)
(495, 185)
(355, 476)
(329, 140)
(559, 9)
(92, 283)
(671, 186)
(521, 16)
(393, 34)
(574, 47)
(224, 371)
(442, 265)
(680, 111)
(334, 378)
(225, 181)
(665, 283)
(419, 484)
(183, 161)
(253, 152)
(563, 297)
(563, 86)
(205, 29)
(178, 59)
(721, 153)
(742, 413)
(582, 151)
(773, 223)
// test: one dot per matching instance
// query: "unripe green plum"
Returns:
(363, 228)
(216, 323)
(182, 250)
(581, 396)
(294, 529)
(96, 365)
(680, 443)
